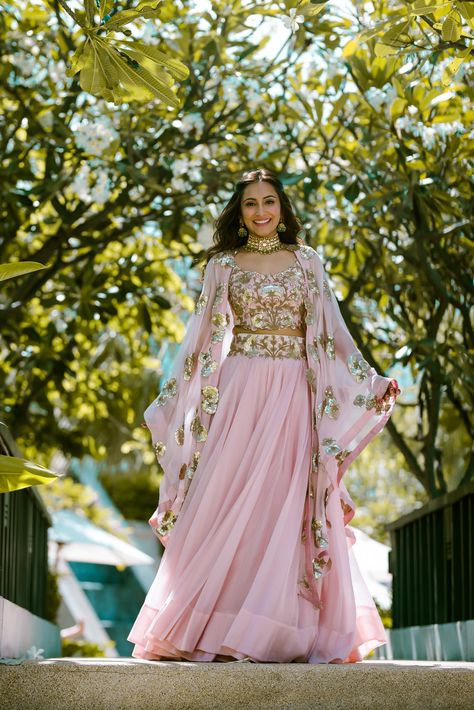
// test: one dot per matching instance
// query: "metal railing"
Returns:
(432, 561)
(24, 523)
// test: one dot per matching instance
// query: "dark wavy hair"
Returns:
(226, 225)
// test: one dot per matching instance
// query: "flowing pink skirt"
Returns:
(228, 580)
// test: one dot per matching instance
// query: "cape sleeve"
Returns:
(350, 410)
(179, 417)
(347, 410)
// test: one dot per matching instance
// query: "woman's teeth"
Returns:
(264, 221)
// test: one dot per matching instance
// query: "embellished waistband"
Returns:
(268, 345)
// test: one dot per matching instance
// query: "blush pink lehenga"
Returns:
(252, 509)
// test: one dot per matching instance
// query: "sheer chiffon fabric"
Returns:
(236, 577)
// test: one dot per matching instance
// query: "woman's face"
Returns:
(260, 208)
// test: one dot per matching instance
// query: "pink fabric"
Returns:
(244, 573)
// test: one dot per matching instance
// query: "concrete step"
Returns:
(125, 683)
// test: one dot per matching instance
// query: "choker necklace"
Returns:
(263, 245)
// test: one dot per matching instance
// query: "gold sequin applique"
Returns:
(268, 301)
(198, 430)
(210, 399)
(358, 367)
(168, 390)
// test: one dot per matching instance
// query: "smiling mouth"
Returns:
(265, 221)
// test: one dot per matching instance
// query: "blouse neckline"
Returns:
(251, 271)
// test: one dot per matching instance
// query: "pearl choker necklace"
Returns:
(263, 245)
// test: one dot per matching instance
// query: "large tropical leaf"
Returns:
(19, 268)
(16, 473)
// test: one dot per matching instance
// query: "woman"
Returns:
(268, 403)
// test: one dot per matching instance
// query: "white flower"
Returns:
(292, 21)
(35, 653)
(94, 137)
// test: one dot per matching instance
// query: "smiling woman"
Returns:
(268, 403)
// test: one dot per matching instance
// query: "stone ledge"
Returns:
(125, 683)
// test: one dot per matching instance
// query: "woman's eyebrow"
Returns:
(253, 198)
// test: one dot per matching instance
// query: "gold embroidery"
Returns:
(341, 456)
(319, 539)
(330, 404)
(331, 447)
(309, 311)
(268, 301)
(219, 297)
(210, 399)
(208, 364)
(197, 429)
(327, 344)
(219, 321)
(318, 566)
(313, 350)
(267, 345)
(311, 378)
(307, 252)
(327, 290)
(315, 459)
(225, 259)
(167, 523)
(179, 435)
(191, 469)
(312, 285)
(160, 448)
(371, 402)
(201, 303)
(168, 390)
(188, 366)
(358, 367)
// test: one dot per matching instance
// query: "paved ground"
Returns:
(120, 684)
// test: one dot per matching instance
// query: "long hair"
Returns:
(226, 225)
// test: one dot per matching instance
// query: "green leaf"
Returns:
(451, 29)
(19, 268)
(16, 473)
(176, 68)
(420, 8)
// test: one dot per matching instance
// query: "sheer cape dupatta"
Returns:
(347, 411)
(346, 408)
(179, 417)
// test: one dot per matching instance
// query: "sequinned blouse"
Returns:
(269, 301)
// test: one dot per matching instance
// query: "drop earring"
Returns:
(242, 233)
(281, 227)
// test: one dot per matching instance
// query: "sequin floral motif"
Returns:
(319, 539)
(208, 364)
(167, 523)
(160, 448)
(201, 303)
(327, 344)
(198, 430)
(179, 435)
(313, 350)
(358, 367)
(330, 405)
(312, 285)
(191, 469)
(268, 301)
(262, 345)
(332, 448)
(219, 322)
(168, 390)
(371, 402)
(210, 399)
(327, 290)
(189, 366)
(219, 297)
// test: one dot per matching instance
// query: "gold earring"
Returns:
(242, 233)
(281, 227)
